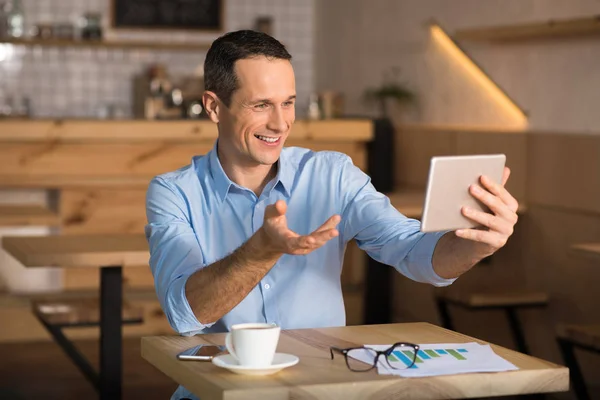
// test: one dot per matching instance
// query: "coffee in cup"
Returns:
(253, 344)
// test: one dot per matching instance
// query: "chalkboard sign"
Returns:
(206, 15)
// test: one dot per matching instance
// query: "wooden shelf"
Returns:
(538, 30)
(27, 215)
(156, 45)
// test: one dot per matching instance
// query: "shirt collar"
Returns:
(285, 173)
(220, 178)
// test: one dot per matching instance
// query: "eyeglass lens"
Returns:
(401, 357)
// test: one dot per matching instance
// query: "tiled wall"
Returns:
(82, 82)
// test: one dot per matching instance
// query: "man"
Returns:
(253, 232)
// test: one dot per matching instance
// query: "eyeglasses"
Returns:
(398, 356)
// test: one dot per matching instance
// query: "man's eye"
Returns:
(288, 103)
(261, 106)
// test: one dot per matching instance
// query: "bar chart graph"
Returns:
(437, 359)
(404, 358)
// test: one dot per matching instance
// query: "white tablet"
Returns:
(448, 189)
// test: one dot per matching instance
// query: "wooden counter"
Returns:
(340, 130)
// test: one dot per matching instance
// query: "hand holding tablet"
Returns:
(450, 191)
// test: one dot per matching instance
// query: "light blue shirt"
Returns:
(197, 216)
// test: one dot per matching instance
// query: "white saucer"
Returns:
(280, 361)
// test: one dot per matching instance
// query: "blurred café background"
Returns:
(99, 96)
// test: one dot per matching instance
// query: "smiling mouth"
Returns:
(268, 139)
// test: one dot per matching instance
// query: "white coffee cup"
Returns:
(253, 344)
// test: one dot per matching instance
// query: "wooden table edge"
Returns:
(559, 374)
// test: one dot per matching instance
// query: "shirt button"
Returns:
(267, 286)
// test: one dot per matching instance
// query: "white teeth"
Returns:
(267, 139)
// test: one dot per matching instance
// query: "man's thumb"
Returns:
(276, 210)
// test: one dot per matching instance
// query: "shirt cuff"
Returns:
(179, 312)
(424, 251)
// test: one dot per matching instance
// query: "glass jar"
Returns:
(15, 20)
(91, 28)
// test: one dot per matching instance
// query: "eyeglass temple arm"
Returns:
(332, 349)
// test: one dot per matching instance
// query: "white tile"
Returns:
(82, 77)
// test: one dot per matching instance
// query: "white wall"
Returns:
(556, 81)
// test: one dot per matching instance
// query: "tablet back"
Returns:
(448, 189)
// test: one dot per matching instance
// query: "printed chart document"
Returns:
(440, 359)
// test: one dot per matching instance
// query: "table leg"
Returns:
(71, 351)
(378, 293)
(577, 382)
(111, 304)
(517, 330)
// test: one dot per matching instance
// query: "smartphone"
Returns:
(202, 352)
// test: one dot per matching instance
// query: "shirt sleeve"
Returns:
(383, 232)
(175, 254)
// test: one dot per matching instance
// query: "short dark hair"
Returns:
(219, 72)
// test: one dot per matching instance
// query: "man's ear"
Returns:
(211, 105)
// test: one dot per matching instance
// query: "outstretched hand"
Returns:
(499, 222)
(281, 239)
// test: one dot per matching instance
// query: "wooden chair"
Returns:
(68, 312)
(510, 302)
(585, 337)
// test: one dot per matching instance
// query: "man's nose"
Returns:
(277, 122)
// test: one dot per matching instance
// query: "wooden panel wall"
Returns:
(414, 149)
(558, 177)
(416, 145)
(514, 145)
(567, 172)
(564, 198)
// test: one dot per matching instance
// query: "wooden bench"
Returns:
(70, 313)
(57, 313)
(496, 299)
(508, 301)
(586, 337)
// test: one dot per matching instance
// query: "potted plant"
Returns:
(390, 91)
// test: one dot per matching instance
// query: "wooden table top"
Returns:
(79, 250)
(410, 202)
(589, 250)
(316, 376)
(27, 215)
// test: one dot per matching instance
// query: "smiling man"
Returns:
(255, 232)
